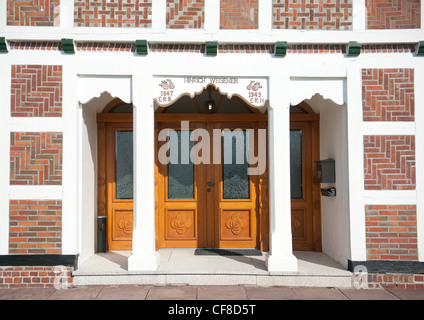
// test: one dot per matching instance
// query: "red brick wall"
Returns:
(36, 91)
(119, 13)
(239, 14)
(35, 226)
(391, 232)
(389, 162)
(35, 277)
(33, 13)
(388, 94)
(393, 14)
(319, 14)
(182, 14)
(396, 281)
(36, 158)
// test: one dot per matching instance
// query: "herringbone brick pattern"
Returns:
(113, 13)
(239, 14)
(35, 226)
(36, 91)
(389, 162)
(388, 94)
(185, 14)
(36, 158)
(33, 13)
(391, 232)
(393, 14)
(306, 14)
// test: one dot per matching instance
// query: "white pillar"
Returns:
(280, 256)
(356, 165)
(419, 160)
(144, 257)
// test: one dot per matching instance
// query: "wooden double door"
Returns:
(201, 199)
(205, 194)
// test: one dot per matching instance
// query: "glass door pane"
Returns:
(124, 164)
(235, 167)
(180, 168)
(296, 186)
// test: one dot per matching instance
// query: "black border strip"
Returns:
(376, 266)
(17, 260)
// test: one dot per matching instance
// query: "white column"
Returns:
(159, 15)
(280, 256)
(265, 16)
(212, 16)
(5, 71)
(144, 257)
(419, 157)
(356, 165)
(71, 178)
(359, 14)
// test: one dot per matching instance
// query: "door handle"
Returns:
(210, 184)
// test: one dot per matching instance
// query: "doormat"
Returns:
(227, 252)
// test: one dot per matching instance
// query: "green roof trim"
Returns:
(141, 46)
(280, 48)
(211, 48)
(3, 45)
(419, 49)
(353, 49)
(68, 45)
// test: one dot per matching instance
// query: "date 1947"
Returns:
(165, 96)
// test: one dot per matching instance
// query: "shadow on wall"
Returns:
(334, 210)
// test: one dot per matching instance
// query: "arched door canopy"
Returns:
(329, 88)
(90, 87)
(252, 90)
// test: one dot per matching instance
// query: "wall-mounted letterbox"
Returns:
(325, 171)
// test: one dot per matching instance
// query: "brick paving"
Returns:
(223, 293)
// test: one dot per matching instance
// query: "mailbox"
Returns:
(325, 171)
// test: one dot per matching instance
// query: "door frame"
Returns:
(262, 197)
(311, 120)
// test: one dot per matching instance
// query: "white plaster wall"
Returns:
(334, 210)
(78, 165)
(88, 213)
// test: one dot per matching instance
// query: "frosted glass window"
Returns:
(296, 164)
(181, 172)
(124, 164)
(235, 167)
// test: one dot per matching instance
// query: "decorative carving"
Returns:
(236, 224)
(181, 224)
(126, 224)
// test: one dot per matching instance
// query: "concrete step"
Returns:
(291, 280)
(181, 267)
